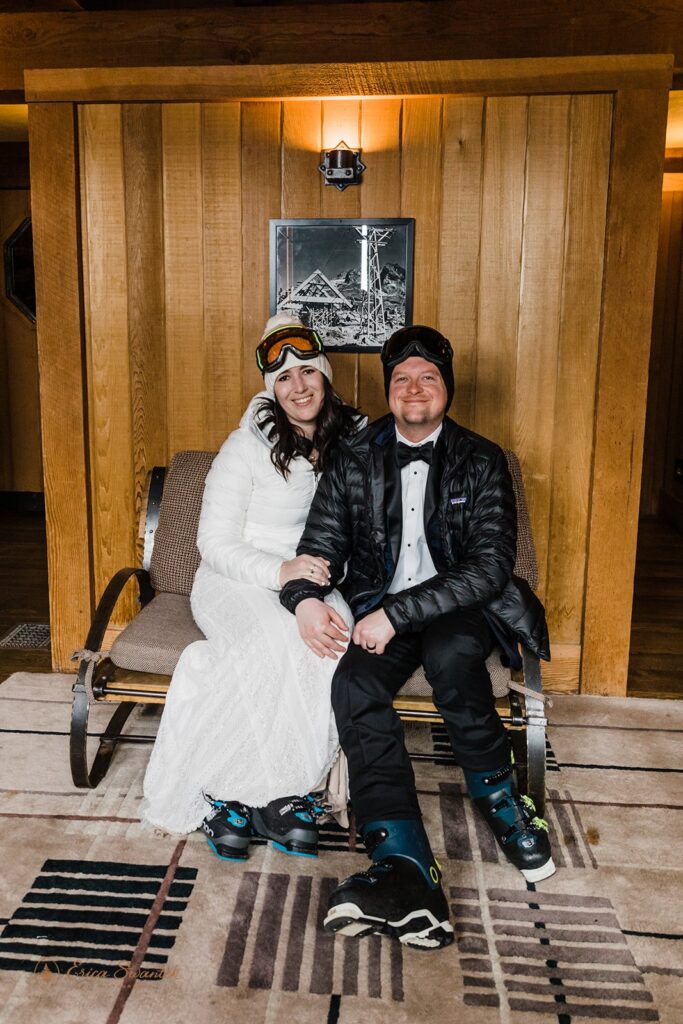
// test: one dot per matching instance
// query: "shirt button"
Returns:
(409, 545)
(410, 579)
(412, 510)
(414, 472)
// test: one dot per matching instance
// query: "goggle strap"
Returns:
(417, 345)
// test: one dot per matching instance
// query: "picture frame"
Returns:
(351, 279)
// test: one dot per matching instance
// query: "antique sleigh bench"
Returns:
(139, 666)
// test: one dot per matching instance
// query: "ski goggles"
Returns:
(272, 351)
(417, 340)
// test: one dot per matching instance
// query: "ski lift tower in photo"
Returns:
(372, 322)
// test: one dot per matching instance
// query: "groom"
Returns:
(421, 514)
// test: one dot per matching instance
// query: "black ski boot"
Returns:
(290, 825)
(520, 833)
(228, 829)
(399, 895)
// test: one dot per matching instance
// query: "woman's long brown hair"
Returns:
(335, 420)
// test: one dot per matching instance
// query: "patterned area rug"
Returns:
(104, 921)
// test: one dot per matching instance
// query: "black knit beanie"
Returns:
(419, 340)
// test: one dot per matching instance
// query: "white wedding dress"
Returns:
(248, 714)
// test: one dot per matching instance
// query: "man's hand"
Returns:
(321, 628)
(374, 632)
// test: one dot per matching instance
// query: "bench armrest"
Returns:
(108, 601)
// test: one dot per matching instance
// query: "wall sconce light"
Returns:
(341, 166)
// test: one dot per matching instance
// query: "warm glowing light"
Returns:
(342, 118)
(674, 124)
(13, 122)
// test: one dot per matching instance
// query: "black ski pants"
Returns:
(453, 650)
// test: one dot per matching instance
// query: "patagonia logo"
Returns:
(458, 501)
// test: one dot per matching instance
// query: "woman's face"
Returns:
(300, 392)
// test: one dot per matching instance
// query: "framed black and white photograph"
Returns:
(351, 280)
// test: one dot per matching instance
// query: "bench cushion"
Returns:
(175, 558)
(526, 565)
(417, 685)
(156, 637)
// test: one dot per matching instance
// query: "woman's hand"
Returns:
(305, 567)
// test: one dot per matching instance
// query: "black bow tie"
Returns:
(406, 453)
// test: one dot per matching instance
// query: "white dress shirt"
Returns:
(415, 563)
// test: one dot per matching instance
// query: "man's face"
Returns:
(417, 397)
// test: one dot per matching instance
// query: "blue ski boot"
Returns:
(400, 895)
(520, 833)
(228, 829)
(290, 825)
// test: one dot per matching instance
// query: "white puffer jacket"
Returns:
(252, 518)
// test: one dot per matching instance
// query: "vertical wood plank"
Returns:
(20, 413)
(421, 198)
(380, 196)
(632, 225)
(505, 143)
(577, 359)
(341, 122)
(186, 360)
(302, 183)
(545, 206)
(222, 192)
(261, 185)
(109, 392)
(461, 184)
(304, 193)
(143, 184)
(55, 212)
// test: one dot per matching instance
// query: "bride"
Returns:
(248, 715)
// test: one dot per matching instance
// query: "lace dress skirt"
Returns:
(248, 714)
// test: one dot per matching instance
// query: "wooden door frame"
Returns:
(640, 87)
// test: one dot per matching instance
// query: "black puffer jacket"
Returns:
(471, 528)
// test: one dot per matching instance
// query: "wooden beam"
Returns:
(407, 78)
(56, 231)
(342, 32)
(110, 408)
(639, 128)
(561, 675)
(577, 366)
(143, 197)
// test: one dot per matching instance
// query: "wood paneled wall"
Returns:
(509, 196)
(20, 455)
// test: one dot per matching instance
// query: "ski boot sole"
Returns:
(295, 849)
(538, 874)
(228, 851)
(419, 929)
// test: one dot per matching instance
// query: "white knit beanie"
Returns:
(320, 362)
